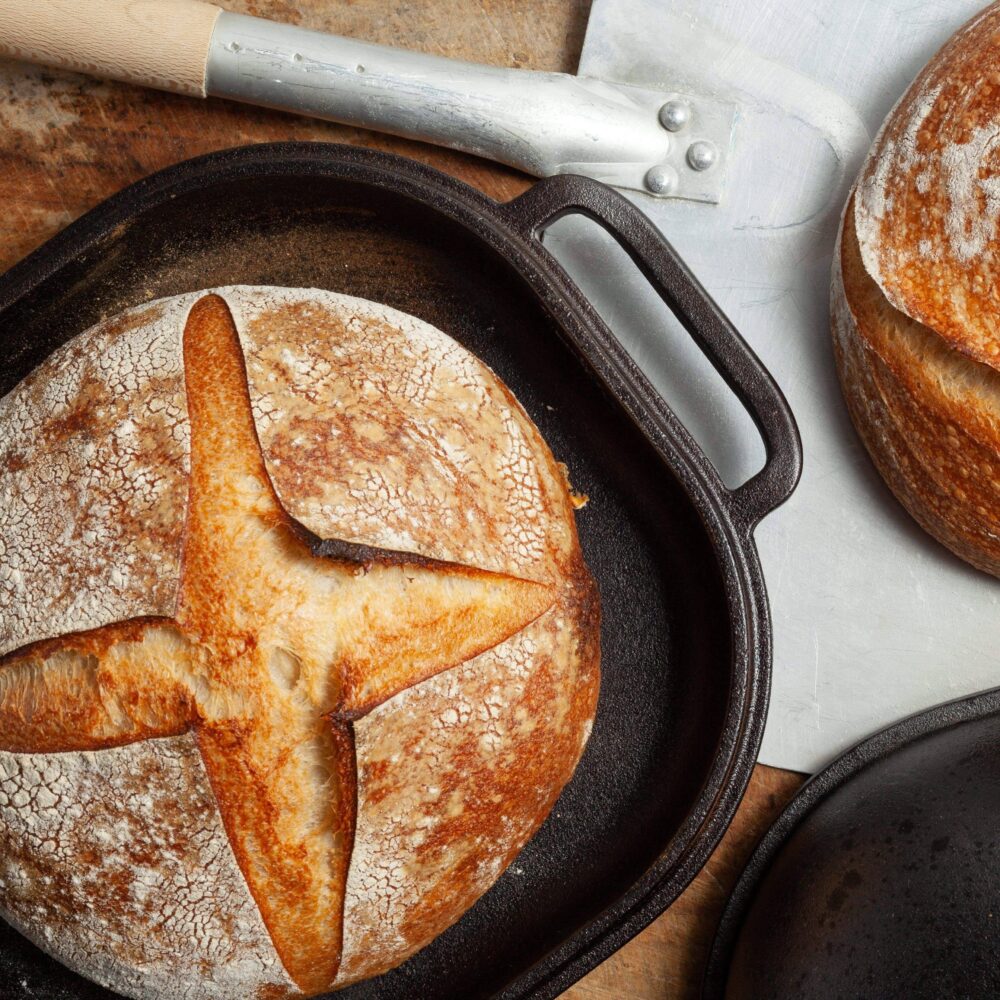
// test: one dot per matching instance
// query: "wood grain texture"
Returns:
(67, 142)
(667, 960)
(156, 43)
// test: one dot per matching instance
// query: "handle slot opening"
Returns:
(657, 341)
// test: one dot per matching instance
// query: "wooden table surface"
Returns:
(68, 142)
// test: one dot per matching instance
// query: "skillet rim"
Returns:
(730, 533)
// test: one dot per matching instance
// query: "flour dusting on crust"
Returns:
(93, 480)
(461, 767)
(377, 429)
(421, 449)
(974, 194)
(927, 210)
(143, 890)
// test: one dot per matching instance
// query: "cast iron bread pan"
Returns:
(686, 632)
(881, 879)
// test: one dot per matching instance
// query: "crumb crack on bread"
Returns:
(273, 654)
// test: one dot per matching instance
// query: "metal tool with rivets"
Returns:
(651, 139)
(666, 143)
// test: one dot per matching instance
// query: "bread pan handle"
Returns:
(720, 341)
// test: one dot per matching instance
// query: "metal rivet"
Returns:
(661, 179)
(701, 155)
(674, 115)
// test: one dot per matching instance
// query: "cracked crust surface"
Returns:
(94, 460)
(456, 774)
(915, 307)
(157, 873)
(420, 450)
(927, 209)
(488, 705)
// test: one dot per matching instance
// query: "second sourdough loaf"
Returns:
(916, 308)
(298, 646)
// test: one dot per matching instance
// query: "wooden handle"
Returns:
(156, 43)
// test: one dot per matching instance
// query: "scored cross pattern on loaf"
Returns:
(273, 652)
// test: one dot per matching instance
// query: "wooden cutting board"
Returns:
(68, 142)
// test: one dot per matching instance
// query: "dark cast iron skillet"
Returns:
(881, 878)
(686, 636)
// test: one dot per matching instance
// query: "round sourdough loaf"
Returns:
(297, 645)
(916, 307)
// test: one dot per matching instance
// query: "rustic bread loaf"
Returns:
(916, 310)
(297, 645)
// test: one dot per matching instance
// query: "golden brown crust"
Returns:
(422, 450)
(474, 757)
(254, 733)
(928, 201)
(916, 311)
(274, 650)
(927, 415)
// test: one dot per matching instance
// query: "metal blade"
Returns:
(872, 619)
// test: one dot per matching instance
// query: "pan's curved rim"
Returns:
(858, 758)
(739, 565)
